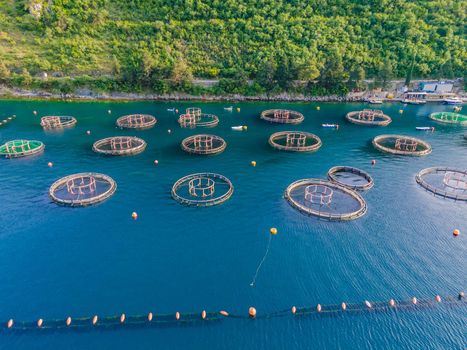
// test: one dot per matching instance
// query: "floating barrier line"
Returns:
(180, 319)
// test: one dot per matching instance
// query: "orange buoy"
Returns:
(224, 313)
(88, 132)
(156, 162)
(318, 307)
(68, 321)
(50, 164)
(373, 162)
(122, 318)
(343, 306)
(150, 316)
(134, 215)
(414, 300)
(294, 310)
(438, 298)
(368, 304)
(252, 312)
(273, 231)
(456, 232)
(177, 315)
(253, 163)
(10, 323)
(94, 320)
(40, 322)
(203, 314)
(392, 303)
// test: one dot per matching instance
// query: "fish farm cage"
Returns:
(119, 146)
(202, 189)
(351, 177)
(282, 116)
(83, 189)
(204, 144)
(444, 182)
(372, 117)
(325, 199)
(21, 148)
(193, 118)
(401, 145)
(136, 121)
(449, 118)
(57, 122)
(295, 141)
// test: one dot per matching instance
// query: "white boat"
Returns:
(425, 128)
(333, 126)
(230, 109)
(453, 101)
(375, 100)
(170, 109)
(239, 127)
(413, 101)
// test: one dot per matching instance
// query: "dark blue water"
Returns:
(57, 261)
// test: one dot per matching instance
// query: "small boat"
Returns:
(425, 128)
(453, 101)
(170, 109)
(375, 100)
(413, 101)
(332, 126)
(239, 127)
(230, 109)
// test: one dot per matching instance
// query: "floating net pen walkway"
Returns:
(136, 121)
(351, 177)
(57, 122)
(204, 144)
(194, 118)
(21, 148)
(444, 182)
(449, 118)
(371, 117)
(151, 319)
(295, 141)
(83, 189)
(119, 146)
(282, 116)
(401, 145)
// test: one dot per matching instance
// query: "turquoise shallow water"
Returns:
(57, 261)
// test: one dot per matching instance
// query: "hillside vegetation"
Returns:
(160, 45)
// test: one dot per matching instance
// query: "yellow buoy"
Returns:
(238, 109)
(318, 108)
(401, 111)
(245, 128)
(253, 163)
(273, 231)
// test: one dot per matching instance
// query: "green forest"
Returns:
(251, 47)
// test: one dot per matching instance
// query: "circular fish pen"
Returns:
(295, 141)
(57, 122)
(21, 148)
(119, 146)
(202, 189)
(204, 144)
(449, 118)
(136, 121)
(444, 182)
(401, 145)
(194, 118)
(325, 199)
(282, 116)
(351, 177)
(79, 190)
(372, 117)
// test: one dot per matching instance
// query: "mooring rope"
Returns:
(154, 320)
(252, 284)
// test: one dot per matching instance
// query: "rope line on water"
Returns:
(252, 284)
(154, 320)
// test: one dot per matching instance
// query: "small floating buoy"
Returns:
(150, 316)
(169, 131)
(461, 295)
(343, 306)
(10, 323)
(134, 215)
(68, 321)
(401, 111)
(337, 126)
(318, 108)
(224, 313)
(50, 164)
(318, 307)
(438, 298)
(294, 310)
(9, 118)
(109, 111)
(253, 163)
(13, 116)
(414, 301)
(156, 162)
(94, 320)
(122, 318)
(368, 304)
(40, 322)
(34, 112)
(176, 110)
(177, 315)
(244, 127)
(88, 132)
(273, 231)
(456, 232)
(203, 314)
(373, 162)
(392, 303)
(238, 109)
(252, 312)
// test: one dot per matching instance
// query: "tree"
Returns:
(4, 73)
(26, 77)
(266, 74)
(385, 73)
(181, 73)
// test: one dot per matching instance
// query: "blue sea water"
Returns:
(57, 261)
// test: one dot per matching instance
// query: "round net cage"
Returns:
(449, 118)
(194, 118)
(295, 141)
(21, 148)
(204, 144)
(325, 199)
(369, 117)
(401, 145)
(202, 189)
(351, 177)
(57, 122)
(119, 146)
(444, 182)
(283, 116)
(82, 189)
(136, 121)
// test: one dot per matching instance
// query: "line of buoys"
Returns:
(224, 313)
(7, 120)
(456, 232)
